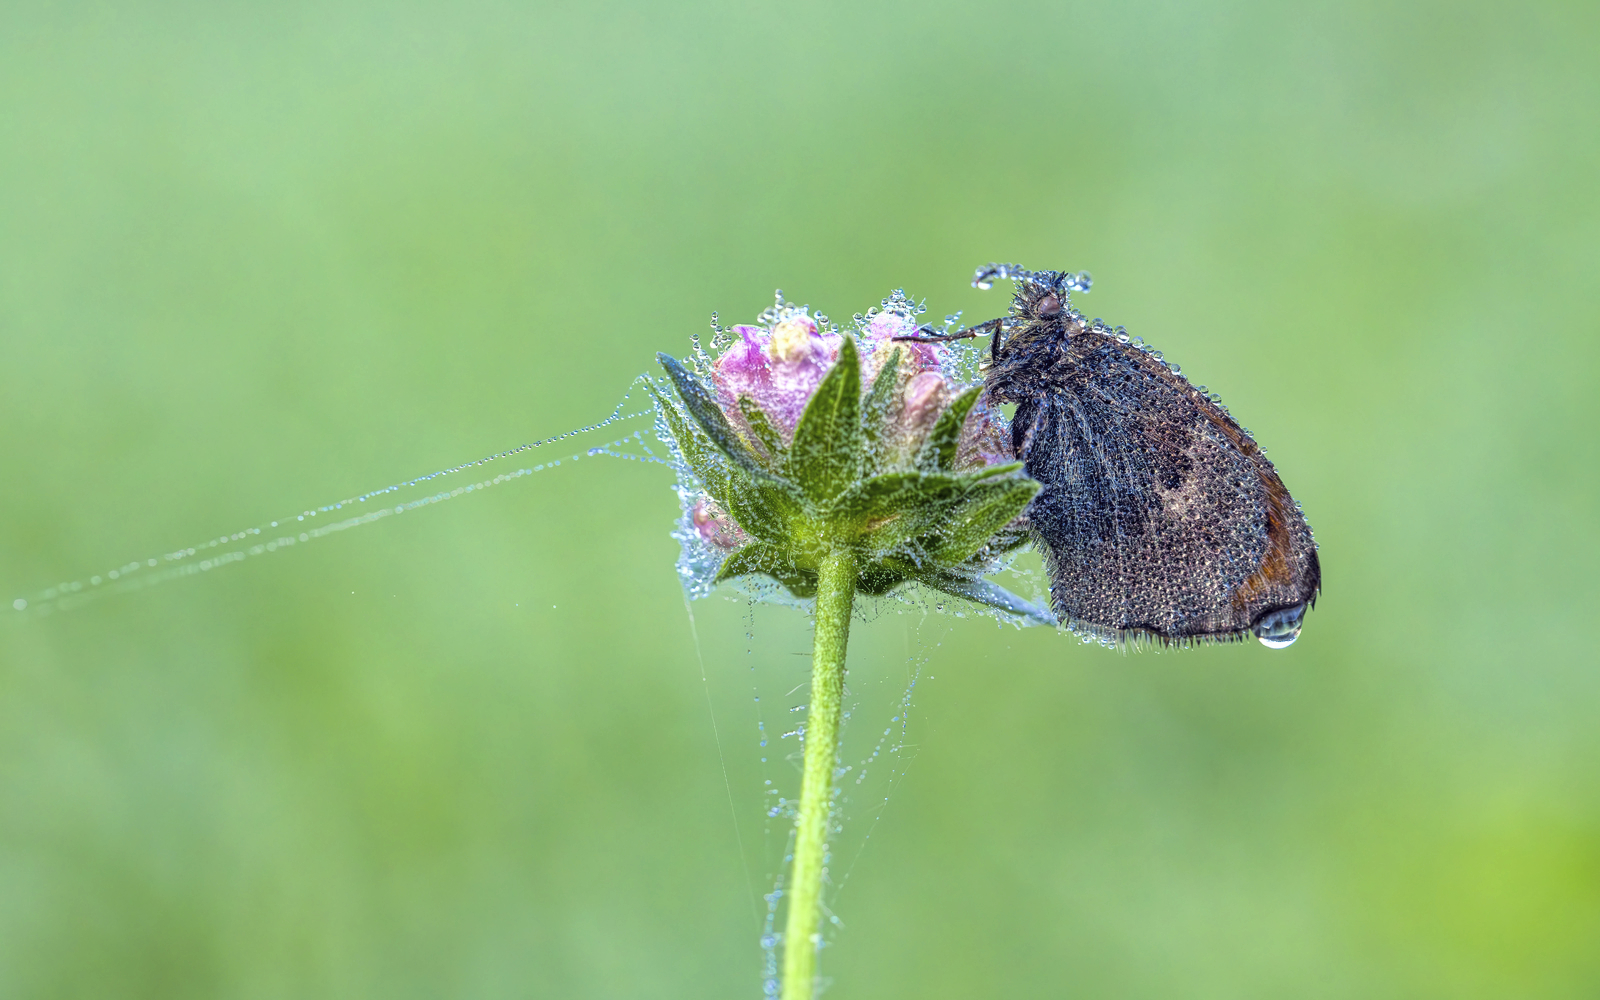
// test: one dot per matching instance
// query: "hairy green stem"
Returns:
(836, 592)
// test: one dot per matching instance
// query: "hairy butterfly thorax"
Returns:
(1159, 517)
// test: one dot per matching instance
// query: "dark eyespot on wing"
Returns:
(1159, 516)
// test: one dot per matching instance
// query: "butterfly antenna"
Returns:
(932, 336)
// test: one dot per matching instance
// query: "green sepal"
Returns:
(991, 471)
(876, 579)
(759, 507)
(1008, 539)
(938, 453)
(981, 591)
(823, 459)
(893, 495)
(698, 454)
(875, 412)
(761, 504)
(702, 406)
(919, 512)
(970, 525)
(761, 427)
(769, 560)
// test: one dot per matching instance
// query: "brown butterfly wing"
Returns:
(1159, 515)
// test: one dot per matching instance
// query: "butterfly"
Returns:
(1159, 519)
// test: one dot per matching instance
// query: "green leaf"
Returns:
(875, 412)
(975, 521)
(761, 426)
(769, 560)
(702, 406)
(824, 458)
(982, 591)
(938, 452)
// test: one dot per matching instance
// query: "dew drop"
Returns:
(1278, 629)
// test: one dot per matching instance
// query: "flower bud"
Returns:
(806, 443)
(925, 397)
(984, 440)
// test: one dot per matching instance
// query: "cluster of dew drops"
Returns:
(962, 356)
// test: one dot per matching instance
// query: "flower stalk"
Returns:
(836, 587)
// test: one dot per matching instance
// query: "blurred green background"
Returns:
(255, 258)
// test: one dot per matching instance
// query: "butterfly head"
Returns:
(1041, 306)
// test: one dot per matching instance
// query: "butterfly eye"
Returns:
(1048, 306)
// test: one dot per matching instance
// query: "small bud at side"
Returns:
(983, 440)
(926, 396)
(715, 526)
